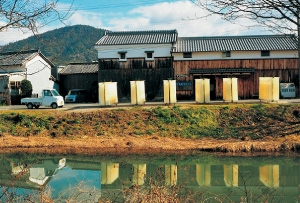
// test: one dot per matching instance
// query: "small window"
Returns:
(226, 54)
(149, 55)
(123, 56)
(187, 55)
(265, 53)
(14, 85)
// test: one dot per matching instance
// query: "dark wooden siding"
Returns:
(152, 72)
(88, 81)
(286, 69)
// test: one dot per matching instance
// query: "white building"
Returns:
(146, 45)
(29, 65)
(154, 56)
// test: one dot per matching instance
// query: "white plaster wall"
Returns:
(133, 51)
(17, 77)
(38, 73)
(236, 55)
(284, 54)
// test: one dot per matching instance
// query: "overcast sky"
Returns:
(119, 15)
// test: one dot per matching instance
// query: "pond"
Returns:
(195, 177)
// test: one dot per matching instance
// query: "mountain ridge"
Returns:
(70, 44)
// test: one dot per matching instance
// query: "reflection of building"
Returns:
(17, 168)
(269, 175)
(23, 174)
(171, 174)
(231, 175)
(139, 173)
(211, 177)
(203, 174)
(109, 172)
(40, 173)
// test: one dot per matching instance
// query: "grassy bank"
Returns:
(221, 122)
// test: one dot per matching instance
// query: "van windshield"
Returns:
(72, 92)
(55, 93)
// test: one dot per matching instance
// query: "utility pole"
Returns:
(298, 43)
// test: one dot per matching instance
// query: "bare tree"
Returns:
(29, 14)
(276, 15)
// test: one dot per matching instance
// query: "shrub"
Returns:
(26, 88)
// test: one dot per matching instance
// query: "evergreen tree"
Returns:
(26, 88)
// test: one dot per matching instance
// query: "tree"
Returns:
(26, 88)
(277, 15)
(29, 14)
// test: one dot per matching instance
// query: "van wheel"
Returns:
(54, 106)
(30, 106)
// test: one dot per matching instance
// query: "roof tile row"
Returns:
(201, 44)
(237, 43)
(139, 37)
(78, 68)
(16, 58)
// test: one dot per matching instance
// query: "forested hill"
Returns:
(63, 45)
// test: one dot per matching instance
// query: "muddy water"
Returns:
(203, 177)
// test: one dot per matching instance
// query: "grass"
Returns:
(222, 122)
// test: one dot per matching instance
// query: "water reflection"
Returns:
(42, 172)
(139, 174)
(107, 177)
(110, 173)
(171, 174)
(269, 175)
(203, 175)
(231, 175)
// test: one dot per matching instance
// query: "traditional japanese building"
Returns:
(154, 56)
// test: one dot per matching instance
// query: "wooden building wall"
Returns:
(152, 72)
(87, 81)
(286, 69)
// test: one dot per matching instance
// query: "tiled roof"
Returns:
(79, 68)
(138, 37)
(16, 58)
(236, 43)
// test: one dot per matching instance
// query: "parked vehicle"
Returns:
(76, 95)
(50, 97)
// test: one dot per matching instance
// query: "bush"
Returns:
(26, 88)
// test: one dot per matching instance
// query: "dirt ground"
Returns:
(137, 145)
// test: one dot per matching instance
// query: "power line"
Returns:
(108, 6)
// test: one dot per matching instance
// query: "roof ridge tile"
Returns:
(140, 32)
